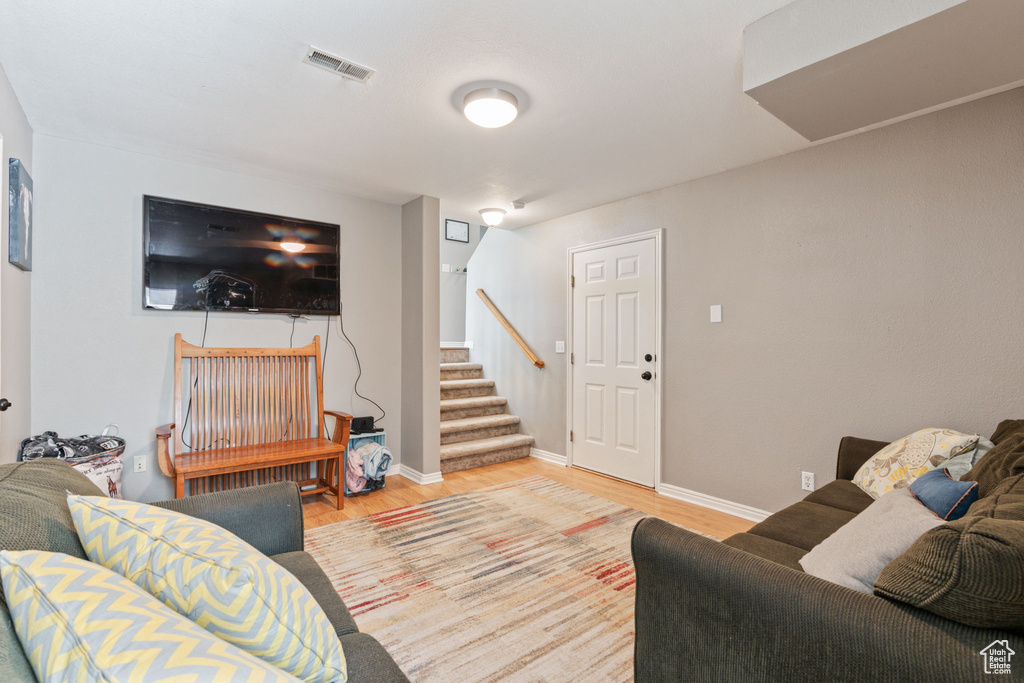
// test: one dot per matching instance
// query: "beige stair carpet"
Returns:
(476, 428)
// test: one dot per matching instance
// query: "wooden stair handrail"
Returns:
(511, 330)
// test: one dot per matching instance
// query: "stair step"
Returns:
(475, 428)
(461, 371)
(471, 402)
(472, 406)
(465, 424)
(454, 354)
(468, 454)
(480, 446)
(463, 388)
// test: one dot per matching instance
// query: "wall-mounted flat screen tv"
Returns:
(208, 258)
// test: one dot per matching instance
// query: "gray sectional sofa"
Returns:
(34, 516)
(744, 610)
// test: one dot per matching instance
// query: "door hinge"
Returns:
(572, 359)
(572, 280)
(570, 435)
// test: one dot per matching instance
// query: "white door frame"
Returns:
(658, 299)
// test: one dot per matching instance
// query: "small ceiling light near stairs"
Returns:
(491, 107)
(492, 217)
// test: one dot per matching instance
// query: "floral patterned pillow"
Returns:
(897, 465)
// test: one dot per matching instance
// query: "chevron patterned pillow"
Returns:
(214, 578)
(78, 621)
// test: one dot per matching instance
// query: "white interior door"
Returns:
(614, 369)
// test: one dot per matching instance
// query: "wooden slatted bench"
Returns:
(251, 416)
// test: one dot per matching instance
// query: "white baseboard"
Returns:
(547, 456)
(712, 503)
(415, 476)
(457, 345)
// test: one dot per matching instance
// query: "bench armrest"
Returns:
(853, 453)
(709, 612)
(267, 517)
(163, 452)
(342, 426)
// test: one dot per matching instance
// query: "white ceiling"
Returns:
(621, 97)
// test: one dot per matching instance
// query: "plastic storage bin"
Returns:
(354, 442)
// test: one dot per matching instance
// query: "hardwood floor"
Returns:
(401, 492)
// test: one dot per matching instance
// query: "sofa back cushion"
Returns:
(34, 515)
(1006, 459)
(34, 511)
(970, 570)
(1006, 428)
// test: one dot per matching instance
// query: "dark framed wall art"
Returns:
(456, 231)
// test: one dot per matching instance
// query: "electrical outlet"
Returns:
(559, 347)
(140, 463)
(807, 481)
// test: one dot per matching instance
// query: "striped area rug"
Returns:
(527, 581)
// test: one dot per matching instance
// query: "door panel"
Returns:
(627, 327)
(614, 326)
(595, 330)
(595, 415)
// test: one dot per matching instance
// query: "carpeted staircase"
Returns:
(476, 429)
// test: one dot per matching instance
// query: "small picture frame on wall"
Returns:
(19, 220)
(456, 231)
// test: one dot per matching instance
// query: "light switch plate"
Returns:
(446, 268)
(716, 313)
(559, 347)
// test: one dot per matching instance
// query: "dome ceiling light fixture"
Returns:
(491, 107)
(492, 217)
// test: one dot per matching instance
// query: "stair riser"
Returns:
(481, 459)
(474, 434)
(461, 374)
(472, 412)
(466, 392)
(454, 355)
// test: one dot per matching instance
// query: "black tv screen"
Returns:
(208, 258)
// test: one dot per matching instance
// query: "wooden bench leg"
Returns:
(340, 482)
(179, 486)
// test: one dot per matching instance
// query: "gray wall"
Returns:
(421, 369)
(870, 286)
(453, 285)
(98, 357)
(15, 288)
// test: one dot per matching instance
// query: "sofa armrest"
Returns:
(267, 517)
(709, 612)
(853, 453)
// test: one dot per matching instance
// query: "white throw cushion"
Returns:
(855, 554)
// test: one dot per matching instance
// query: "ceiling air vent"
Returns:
(338, 65)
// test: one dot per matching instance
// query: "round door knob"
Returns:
(648, 358)
(4, 404)
(646, 375)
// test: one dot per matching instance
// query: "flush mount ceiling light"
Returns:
(491, 107)
(293, 247)
(492, 217)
